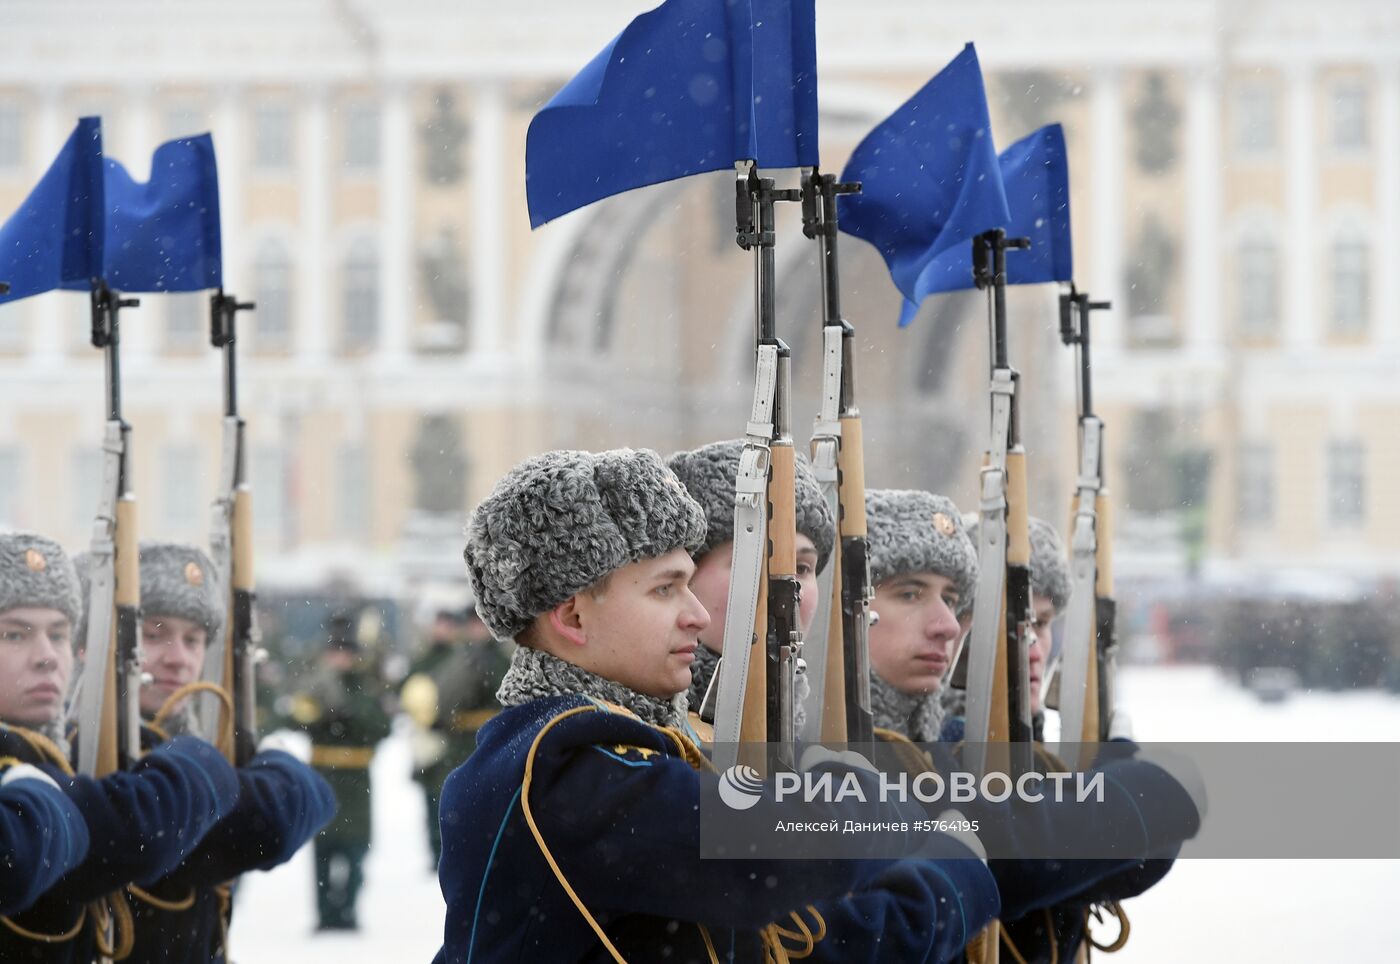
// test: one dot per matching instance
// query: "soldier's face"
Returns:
(642, 629)
(1040, 649)
(711, 587)
(912, 643)
(36, 661)
(172, 652)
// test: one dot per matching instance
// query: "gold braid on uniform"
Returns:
(224, 741)
(773, 950)
(110, 911)
(1049, 930)
(1124, 928)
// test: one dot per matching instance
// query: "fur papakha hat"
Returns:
(36, 572)
(915, 531)
(561, 521)
(1049, 565)
(709, 474)
(178, 579)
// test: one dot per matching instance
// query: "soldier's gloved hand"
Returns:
(1120, 726)
(961, 831)
(1180, 769)
(817, 755)
(26, 771)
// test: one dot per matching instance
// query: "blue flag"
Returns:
(1036, 175)
(930, 175)
(55, 237)
(692, 86)
(163, 235)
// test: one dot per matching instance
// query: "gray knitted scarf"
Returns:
(535, 675)
(918, 716)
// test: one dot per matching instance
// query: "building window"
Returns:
(11, 138)
(184, 320)
(1350, 110)
(269, 479)
(1258, 287)
(272, 138)
(272, 286)
(1255, 119)
(183, 487)
(361, 147)
(87, 485)
(360, 290)
(1346, 483)
(1256, 481)
(11, 496)
(1351, 285)
(354, 511)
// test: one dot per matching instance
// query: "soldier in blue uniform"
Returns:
(281, 802)
(140, 824)
(573, 832)
(42, 834)
(901, 915)
(924, 569)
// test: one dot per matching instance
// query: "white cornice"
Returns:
(74, 42)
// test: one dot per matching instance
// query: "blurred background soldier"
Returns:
(342, 709)
(449, 694)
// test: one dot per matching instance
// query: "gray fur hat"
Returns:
(561, 521)
(35, 571)
(178, 579)
(1049, 565)
(915, 531)
(709, 474)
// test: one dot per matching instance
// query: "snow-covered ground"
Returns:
(1205, 910)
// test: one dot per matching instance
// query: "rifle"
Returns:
(231, 663)
(756, 682)
(1085, 686)
(838, 649)
(998, 699)
(109, 701)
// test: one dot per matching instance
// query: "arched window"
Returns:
(1349, 265)
(1257, 281)
(272, 283)
(360, 294)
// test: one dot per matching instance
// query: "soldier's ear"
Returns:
(567, 621)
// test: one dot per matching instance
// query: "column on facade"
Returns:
(313, 323)
(231, 147)
(1387, 168)
(51, 329)
(1300, 304)
(489, 242)
(1107, 166)
(396, 180)
(140, 338)
(1204, 302)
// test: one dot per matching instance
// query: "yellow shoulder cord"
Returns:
(913, 759)
(539, 838)
(1050, 932)
(709, 943)
(978, 950)
(225, 741)
(44, 748)
(159, 903)
(1124, 928)
(1055, 764)
(113, 911)
(28, 934)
